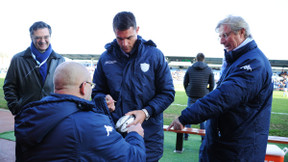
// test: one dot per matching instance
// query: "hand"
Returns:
(110, 103)
(176, 124)
(136, 128)
(140, 116)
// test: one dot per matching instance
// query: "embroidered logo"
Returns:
(246, 67)
(144, 67)
(110, 62)
(108, 129)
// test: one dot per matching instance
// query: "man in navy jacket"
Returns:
(66, 126)
(239, 109)
(134, 74)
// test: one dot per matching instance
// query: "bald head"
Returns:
(69, 76)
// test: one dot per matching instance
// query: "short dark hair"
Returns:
(200, 57)
(39, 25)
(124, 20)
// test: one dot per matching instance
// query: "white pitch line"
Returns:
(179, 105)
(279, 113)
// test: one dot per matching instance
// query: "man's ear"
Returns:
(82, 88)
(243, 31)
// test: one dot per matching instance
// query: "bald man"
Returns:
(66, 126)
(69, 76)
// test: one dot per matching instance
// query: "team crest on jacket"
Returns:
(246, 67)
(144, 67)
(108, 129)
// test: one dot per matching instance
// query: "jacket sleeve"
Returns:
(100, 103)
(101, 88)
(110, 145)
(10, 89)
(211, 81)
(240, 86)
(186, 79)
(164, 88)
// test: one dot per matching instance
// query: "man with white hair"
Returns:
(239, 109)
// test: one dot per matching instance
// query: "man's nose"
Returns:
(124, 42)
(222, 40)
(42, 40)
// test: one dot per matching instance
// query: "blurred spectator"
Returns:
(198, 81)
(285, 86)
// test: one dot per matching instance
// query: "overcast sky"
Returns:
(179, 28)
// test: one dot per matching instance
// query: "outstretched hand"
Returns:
(176, 125)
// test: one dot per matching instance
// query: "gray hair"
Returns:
(236, 23)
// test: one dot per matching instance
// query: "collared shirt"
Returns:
(224, 63)
(246, 41)
(38, 63)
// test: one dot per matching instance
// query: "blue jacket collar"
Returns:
(232, 56)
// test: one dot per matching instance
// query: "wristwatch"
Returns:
(146, 113)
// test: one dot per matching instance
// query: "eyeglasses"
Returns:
(47, 37)
(225, 35)
(91, 84)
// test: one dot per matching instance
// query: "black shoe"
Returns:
(186, 138)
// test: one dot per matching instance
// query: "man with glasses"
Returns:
(133, 72)
(29, 77)
(239, 109)
(66, 126)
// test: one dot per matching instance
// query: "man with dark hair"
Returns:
(29, 77)
(133, 72)
(124, 19)
(198, 81)
(239, 109)
(66, 126)
(200, 57)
